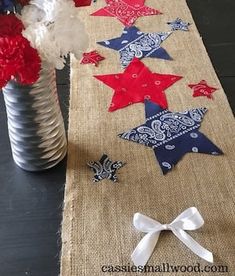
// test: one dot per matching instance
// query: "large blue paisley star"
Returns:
(171, 134)
(134, 43)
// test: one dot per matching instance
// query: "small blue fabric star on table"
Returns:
(171, 134)
(134, 43)
(105, 168)
(179, 24)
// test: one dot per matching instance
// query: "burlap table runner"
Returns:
(97, 225)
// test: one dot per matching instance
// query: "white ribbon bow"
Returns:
(190, 219)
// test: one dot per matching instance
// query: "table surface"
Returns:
(31, 203)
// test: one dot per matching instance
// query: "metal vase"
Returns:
(35, 123)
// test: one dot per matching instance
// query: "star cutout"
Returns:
(126, 11)
(179, 24)
(134, 43)
(171, 134)
(105, 168)
(136, 84)
(202, 89)
(92, 57)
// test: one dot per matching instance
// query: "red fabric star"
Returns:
(137, 84)
(127, 11)
(92, 57)
(202, 89)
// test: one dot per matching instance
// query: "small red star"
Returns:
(137, 84)
(126, 11)
(202, 89)
(92, 57)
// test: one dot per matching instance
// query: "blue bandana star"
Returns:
(105, 168)
(171, 134)
(178, 24)
(133, 43)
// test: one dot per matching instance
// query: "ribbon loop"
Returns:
(145, 224)
(190, 219)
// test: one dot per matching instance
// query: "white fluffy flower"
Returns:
(54, 29)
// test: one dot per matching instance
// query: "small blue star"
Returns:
(105, 168)
(179, 24)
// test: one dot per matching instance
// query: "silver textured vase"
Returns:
(35, 123)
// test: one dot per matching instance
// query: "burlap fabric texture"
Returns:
(97, 225)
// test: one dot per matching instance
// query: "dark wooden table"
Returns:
(31, 203)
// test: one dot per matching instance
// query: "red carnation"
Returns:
(28, 70)
(17, 58)
(9, 57)
(10, 25)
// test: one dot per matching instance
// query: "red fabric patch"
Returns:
(202, 89)
(137, 84)
(127, 11)
(92, 57)
(81, 3)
